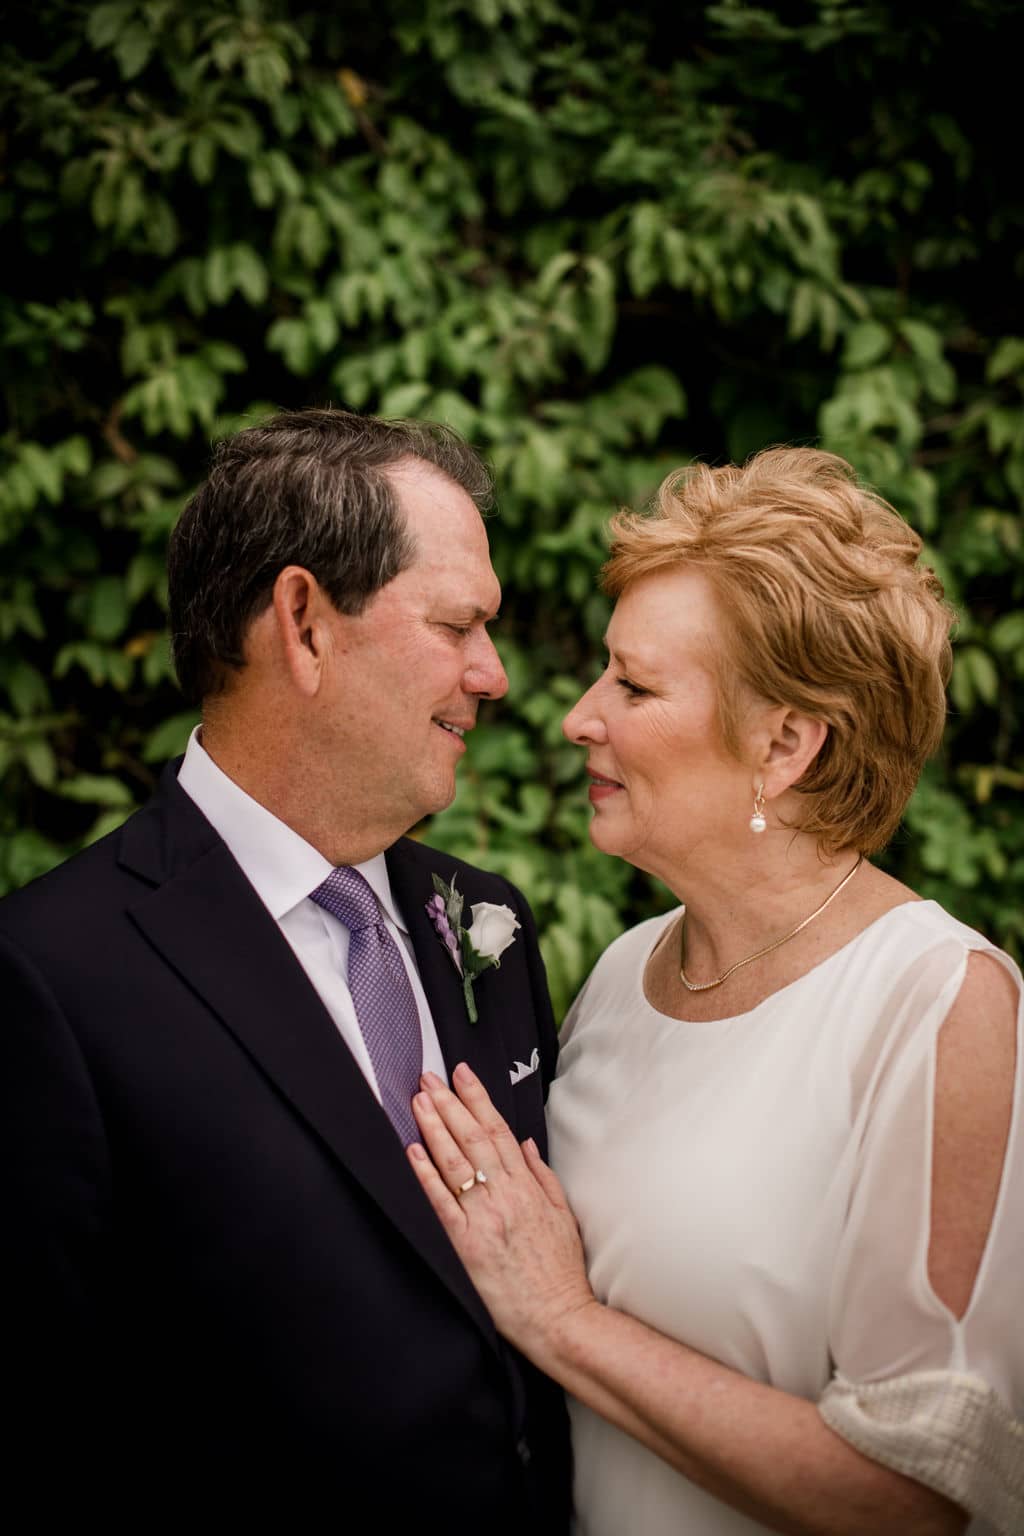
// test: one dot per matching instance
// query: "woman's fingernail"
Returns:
(421, 1101)
(431, 1080)
(416, 1151)
(463, 1073)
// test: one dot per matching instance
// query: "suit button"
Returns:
(523, 1451)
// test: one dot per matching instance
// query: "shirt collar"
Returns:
(279, 864)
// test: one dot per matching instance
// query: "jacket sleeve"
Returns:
(55, 1189)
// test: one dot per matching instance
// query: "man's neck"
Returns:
(277, 781)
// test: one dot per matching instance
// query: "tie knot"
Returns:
(346, 895)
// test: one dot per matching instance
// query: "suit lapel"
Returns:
(206, 921)
(480, 1045)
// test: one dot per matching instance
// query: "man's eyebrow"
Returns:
(484, 614)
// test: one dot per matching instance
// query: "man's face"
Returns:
(406, 676)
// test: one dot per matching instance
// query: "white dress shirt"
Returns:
(283, 869)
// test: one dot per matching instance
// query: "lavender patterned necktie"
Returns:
(383, 998)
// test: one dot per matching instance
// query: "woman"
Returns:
(787, 1115)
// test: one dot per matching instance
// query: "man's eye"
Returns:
(632, 688)
(459, 629)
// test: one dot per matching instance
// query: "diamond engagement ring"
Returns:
(479, 1177)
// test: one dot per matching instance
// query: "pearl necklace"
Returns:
(705, 986)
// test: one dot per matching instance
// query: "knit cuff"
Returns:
(946, 1429)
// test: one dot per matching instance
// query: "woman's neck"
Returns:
(732, 917)
(739, 904)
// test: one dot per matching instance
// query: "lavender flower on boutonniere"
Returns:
(477, 947)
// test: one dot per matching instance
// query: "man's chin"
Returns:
(439, 799)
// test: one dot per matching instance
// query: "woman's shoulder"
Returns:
(914, 927)
(907, 971)
(910, 962)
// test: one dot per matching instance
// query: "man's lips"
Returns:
(455, 728)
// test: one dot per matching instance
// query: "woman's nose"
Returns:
(583, 723)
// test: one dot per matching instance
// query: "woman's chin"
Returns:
(607, 837)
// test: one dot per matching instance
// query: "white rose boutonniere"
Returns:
(474, 949)
(492, 930)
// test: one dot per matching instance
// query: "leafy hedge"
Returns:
(597, 240)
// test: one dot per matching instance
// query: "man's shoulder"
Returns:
(135, 855)
(77, 879)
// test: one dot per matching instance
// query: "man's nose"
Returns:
(485, 674)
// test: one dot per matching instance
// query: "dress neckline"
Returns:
(750, 1013)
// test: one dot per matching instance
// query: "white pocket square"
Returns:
(520, 1069)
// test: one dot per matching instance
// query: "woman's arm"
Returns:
(762, 1450)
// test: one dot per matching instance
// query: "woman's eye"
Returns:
(631, 688)
(458, 629)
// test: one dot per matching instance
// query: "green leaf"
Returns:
(290, 336)
(170, 738)
(133, 49)
(44, 470)
(803, 308)
(106, 23)
(157, 665)
(250, 274)
(76, 455)
(322, 323)
(454, 410)
(27, 689)
(267, 72)
(203, 157)
(865, 344)
(144, 574)
(1007, 634)
(975, 677)
(38, 757)
(1007, 359)
(548, 180)
(95, 789)
(923, 339)
(219, 274)
(108, 608)
(224, 356)
(404, 399)
(643, 265)
(556, 269)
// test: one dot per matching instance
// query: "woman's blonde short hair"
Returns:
(824, 609)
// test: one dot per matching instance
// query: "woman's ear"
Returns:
(299, 607)
(789, 744)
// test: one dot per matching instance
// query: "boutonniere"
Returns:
(477, 947)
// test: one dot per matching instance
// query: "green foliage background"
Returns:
(597, 240)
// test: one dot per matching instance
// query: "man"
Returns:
(230, 1291)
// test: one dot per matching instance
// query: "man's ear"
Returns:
(300, 616)
(790, 741)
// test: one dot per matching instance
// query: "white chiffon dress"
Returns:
(758, 1188)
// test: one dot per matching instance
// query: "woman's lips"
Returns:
(601, 789)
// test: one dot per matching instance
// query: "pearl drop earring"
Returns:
(757, 821)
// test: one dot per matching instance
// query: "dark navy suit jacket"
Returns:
(228, 1292)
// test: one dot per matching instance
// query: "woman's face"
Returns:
(662, 782)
